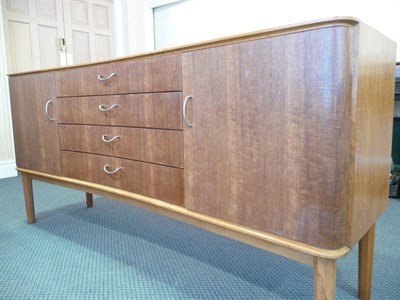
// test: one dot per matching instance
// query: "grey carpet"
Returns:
(118, 251)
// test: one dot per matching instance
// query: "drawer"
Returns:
(158, 110)
(157, 74)
(149, 145)
(160, 182)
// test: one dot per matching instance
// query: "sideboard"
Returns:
(279, 138)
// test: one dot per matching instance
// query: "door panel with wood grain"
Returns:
(35, 133)
(269, 145)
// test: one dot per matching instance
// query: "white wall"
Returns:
(7, 160)
(134, 31)
(196, 20)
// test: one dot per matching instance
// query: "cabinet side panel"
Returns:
(372, 119)
(269, 148)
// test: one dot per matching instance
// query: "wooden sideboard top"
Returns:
(271, 32)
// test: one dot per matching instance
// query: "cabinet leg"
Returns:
(324, 278)
(89, 200)
(28, 193)
(365, 263)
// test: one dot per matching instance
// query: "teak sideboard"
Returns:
(279, 138)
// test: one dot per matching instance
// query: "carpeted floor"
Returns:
(117, 251)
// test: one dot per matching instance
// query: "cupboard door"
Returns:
(34, 113)
(269, 144)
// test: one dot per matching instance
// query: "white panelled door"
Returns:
(32, 30)
(90, 30)
(43, 34)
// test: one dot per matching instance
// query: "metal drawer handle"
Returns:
(106, 138)
(46, 110)
(103, 78)
(104, 107)
(105, 169)
(184, 112)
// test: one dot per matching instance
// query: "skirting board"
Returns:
(7, 169)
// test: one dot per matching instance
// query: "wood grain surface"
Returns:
(269, 148)
(35, 137)
(324, 279)
(276, 244)
(164, 183)
(149, 145)
(289, 149)
(158, 110)
(89, 200)
(371, 135)
(28, 196)
(158, 74)
(365, 264)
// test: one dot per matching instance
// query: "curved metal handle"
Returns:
(104, 107)
(184, 111)
(46, 110)
(103, 78)
(105, 136)
(105, 169)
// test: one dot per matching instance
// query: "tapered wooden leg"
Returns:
(365, 263)
(89, 200)
(324, 278)
(28, 193)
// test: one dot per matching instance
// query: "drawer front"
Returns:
(160, 182)
(163, 147)
(157, 74)
(158, 110)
